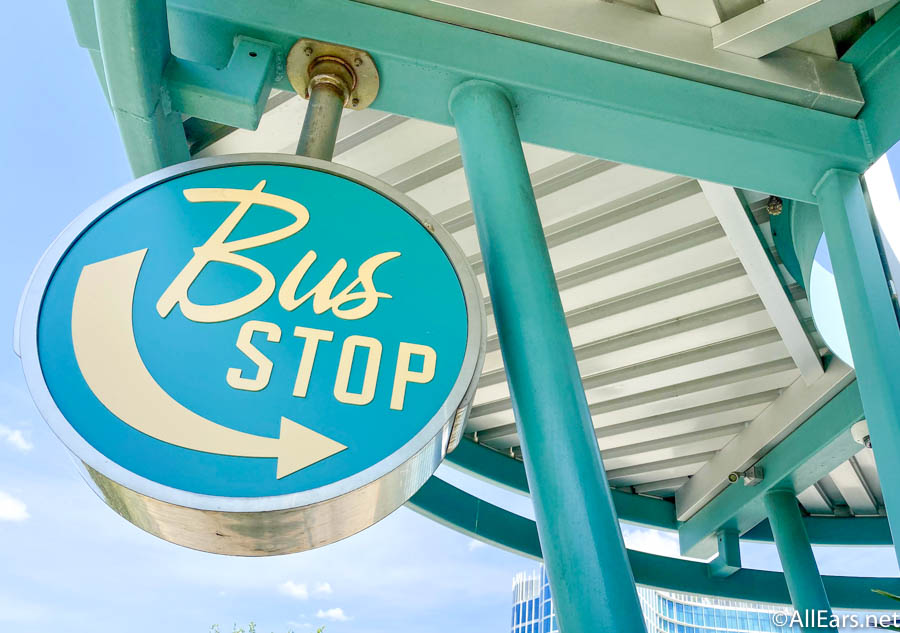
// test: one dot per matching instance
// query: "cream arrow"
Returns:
(110, 363)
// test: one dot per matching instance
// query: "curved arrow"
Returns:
(110, 363)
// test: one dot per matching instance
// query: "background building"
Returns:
(664, 611)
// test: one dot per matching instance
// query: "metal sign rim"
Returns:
(458, 399)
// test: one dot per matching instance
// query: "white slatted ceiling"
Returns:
(675, 348)
(850, 489)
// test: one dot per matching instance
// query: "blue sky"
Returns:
(69, 563)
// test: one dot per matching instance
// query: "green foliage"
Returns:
(892, 597)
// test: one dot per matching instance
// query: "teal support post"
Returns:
(134, 45)
(871, 322)
(800, 570)
(590, 576)
(728, 560)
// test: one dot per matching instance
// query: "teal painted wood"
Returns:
(489, 465)
(876, 57)
(583, 548)
(661, 122)
(134, 42)
(479, 519)
(813, 450)
(871, 322)
(800, 570)
(867, 531)
(797, 232)
(498, 468)
(728, 560)
(235, 95)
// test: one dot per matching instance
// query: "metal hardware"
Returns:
(332, 77)
(774, 205)
(860, 433)
(751, 476)
(310, 62)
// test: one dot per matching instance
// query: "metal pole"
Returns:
(871, 323)
(800, 570)
(584, 554)
(323, 117)
(332, 77)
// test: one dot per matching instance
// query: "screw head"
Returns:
(357, 62)
(355, 102)
(308, 50)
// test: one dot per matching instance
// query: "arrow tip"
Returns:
(299, 447)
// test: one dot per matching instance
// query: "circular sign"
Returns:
(254, 355)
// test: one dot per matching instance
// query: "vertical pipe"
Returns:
(871, 323)
(323, 117)
(800, 570)
(593, 586)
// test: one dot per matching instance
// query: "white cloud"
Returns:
(301, 591)
(336, 614)
(651, 541)
(294, 590)
(15, 438)
(322, 589)
(475, 544)
(12, 509)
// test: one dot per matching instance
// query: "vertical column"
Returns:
(871, 323)
(800, 570)
(584, 554)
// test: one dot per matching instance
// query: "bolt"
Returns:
(308, 50)
(357, 62)
(355, 102)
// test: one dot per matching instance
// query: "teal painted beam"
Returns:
(796, 232)
(149, 88)
(579, 532)
(812, 451)
(871, 321)
(728, 560)
(489, 465)
(662, 122)
(450, 506)
(861, 531)
(134, 43)
(618, 34)
(235, 95)
(876, 57)
(478, 519)
(800, 569)
(84, 22)
(498, 468)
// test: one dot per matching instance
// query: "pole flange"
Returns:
(352, 72)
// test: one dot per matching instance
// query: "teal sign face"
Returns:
(250, 337)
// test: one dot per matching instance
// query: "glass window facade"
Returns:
(664, 611)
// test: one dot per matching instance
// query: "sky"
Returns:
(68, 562)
